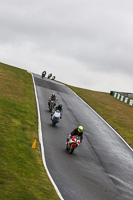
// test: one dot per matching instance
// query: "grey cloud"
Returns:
(93, 37)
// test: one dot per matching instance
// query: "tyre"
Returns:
(53, 123)
(71, 150)
(51, 108)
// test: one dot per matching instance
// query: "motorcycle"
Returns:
(49, 76)
(43, 74)
(51, 105)
(55, 117)
(72, 143)
(53, 78)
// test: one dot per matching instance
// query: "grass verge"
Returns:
(22, 175)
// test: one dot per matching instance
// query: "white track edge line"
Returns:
(41, 144)
(102, 119)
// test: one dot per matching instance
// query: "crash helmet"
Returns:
(60, 106)
(80, 129)
(53, 95)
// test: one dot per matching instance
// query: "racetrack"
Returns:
(101, 168)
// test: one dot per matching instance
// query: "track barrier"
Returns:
(122, 97)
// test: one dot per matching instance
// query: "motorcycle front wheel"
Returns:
(71, 150)
(51, 108)
(53, 123)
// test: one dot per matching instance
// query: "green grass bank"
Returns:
(22, 175)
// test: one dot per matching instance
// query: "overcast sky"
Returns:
(84, 43)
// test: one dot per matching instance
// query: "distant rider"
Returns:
(43, 74)
(77, 131)
(52, 98)
(53, 78)
(50, 75)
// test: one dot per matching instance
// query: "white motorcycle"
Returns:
(55, 117)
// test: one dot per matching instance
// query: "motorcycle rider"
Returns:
(53, 78)
(52, 98)
(50, 75)
(59, 107)
(77, 131)
(43, 74)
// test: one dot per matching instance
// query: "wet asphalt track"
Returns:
(101, 168)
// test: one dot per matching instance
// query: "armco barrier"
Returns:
(120, 97)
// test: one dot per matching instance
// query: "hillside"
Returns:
(22, 175)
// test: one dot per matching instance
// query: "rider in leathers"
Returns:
(59, 107)
(77, 131)
(43, 74)
(53, 97)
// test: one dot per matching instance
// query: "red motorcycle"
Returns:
(72, 143)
